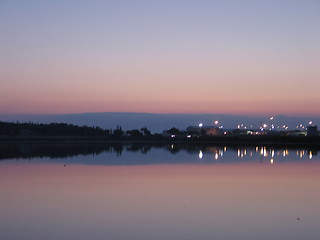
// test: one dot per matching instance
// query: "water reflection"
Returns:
(134, 153)
(178, 192)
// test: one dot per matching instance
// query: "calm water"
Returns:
(133, 191)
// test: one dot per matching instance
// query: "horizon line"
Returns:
(155, 113)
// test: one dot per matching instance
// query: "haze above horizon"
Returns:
(226, 57)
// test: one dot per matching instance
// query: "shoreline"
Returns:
(312, 141)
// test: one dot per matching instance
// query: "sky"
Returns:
(224, 57)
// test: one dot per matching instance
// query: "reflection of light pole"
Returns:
(200, 154)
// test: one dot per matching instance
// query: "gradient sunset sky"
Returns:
(235, 57)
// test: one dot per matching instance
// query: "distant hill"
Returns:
(159, 122)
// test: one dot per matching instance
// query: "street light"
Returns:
(200, 125)
(271, 121)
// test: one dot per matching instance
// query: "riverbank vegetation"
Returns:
(69, 132)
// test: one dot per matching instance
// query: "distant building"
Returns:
(193, 129)
(312, 131)
(208, 131)
(239, 132)
(213, 131)
(296, 133)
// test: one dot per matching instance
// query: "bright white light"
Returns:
(200, 124)
(200, 154)
(310, 122)
(265, 125)
(216, 122)
(173, 136)
(189, 136)
(271, 118)
(271, 160)
(265, 153)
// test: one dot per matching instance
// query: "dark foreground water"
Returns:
(134, 191)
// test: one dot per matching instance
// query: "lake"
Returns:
(64, 191)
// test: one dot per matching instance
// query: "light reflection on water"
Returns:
(168, 192)
(263, 152)
(137, 153)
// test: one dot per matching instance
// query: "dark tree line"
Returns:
(30, 129)
(52, 129)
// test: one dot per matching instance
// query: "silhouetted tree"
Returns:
(118, 132)
(174, 131)
(145, 132)
(134, 133)
(52, 129)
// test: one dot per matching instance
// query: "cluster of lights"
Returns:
(263, 126)
(302, 153)
(241, 126)
(216, 122)
(217, 153)
(262, 151)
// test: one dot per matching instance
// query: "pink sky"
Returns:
(247, 58)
